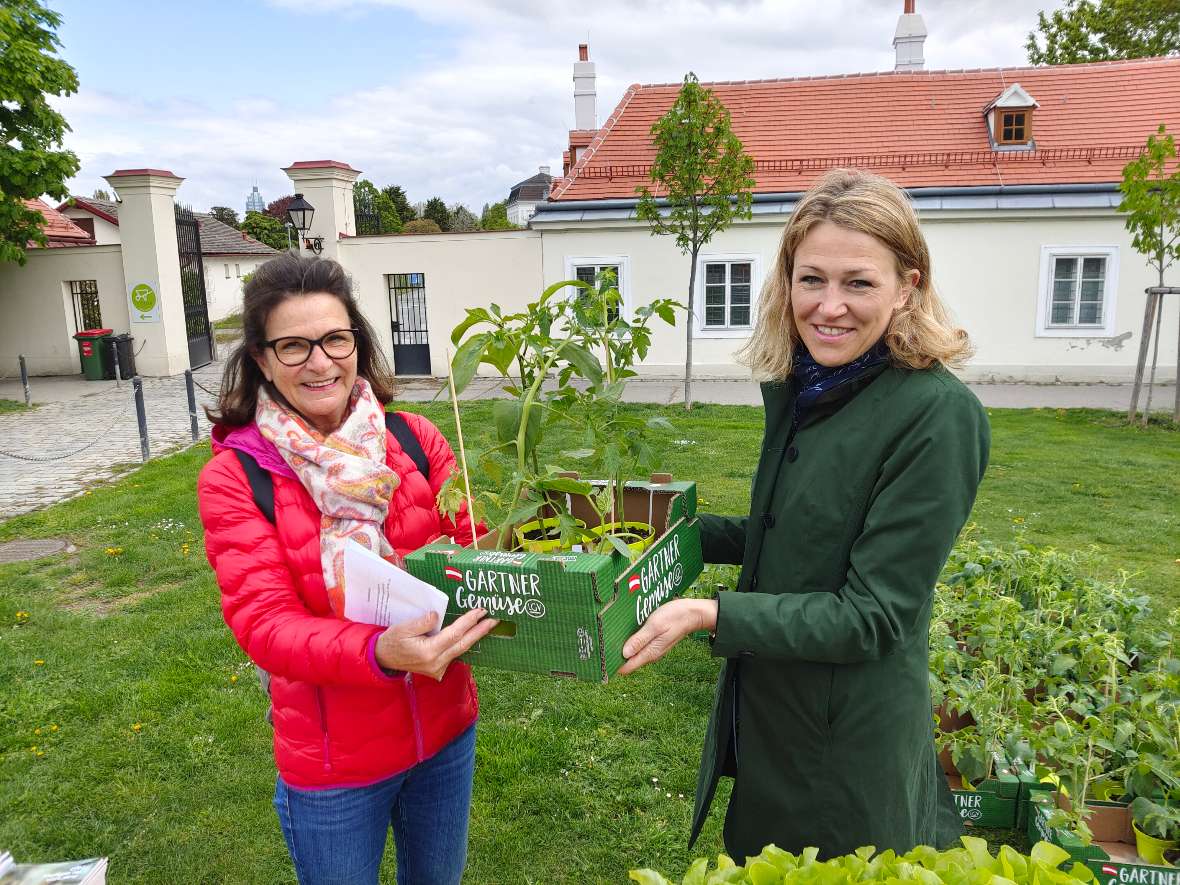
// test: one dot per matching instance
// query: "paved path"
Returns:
(96, 415)
(99, 416)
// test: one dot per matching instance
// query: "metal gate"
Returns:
(407, 305)
(192, 287)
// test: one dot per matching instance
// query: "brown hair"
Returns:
(281, 278)
(920, 332)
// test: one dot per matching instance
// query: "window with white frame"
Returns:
(227, 271)
(588, 268)
(725, 293)
(1077, 291)
(237, 270)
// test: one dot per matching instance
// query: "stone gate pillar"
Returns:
(151, 268)
(327, 185)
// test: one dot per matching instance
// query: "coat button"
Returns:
(768, 520)
(792, 454)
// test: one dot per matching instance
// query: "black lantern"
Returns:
(300, 212)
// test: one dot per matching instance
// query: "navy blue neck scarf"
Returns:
(816, 380)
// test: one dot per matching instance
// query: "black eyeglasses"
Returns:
(295, 351)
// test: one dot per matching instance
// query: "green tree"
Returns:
(400, 202)
(463, 219)
(436, 210)
(30, 129)
(705, 176)
(421, 226)
(266, 229)
(495, 217)
(1086, 30)
(101, 193)
(226, 215)
(1151, 201)
(376, 203)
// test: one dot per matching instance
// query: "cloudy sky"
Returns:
(454, 98)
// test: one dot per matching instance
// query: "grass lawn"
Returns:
(131, 724)
(12, 405)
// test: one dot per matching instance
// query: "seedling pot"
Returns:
(1150, 848)
(541, 535)
(636, 535)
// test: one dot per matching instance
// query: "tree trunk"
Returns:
(1141, 363)
(689, 322)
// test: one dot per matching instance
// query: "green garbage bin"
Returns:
(94, 351)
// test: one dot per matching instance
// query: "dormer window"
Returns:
(1009, 120)
(1012, 127)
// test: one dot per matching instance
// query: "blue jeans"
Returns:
(337, 837)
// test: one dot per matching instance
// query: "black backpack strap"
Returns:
(408, 441)
(261, 484)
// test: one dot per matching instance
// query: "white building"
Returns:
(1014, 172)
(525, 195)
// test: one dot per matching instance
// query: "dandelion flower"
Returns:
(234, 678)
(53, 728)
(39, 662)
(136, 727)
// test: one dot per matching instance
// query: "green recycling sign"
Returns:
(144, 302)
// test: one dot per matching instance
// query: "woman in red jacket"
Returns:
(372, 726)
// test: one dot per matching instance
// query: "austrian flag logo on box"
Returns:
(453, 573)
(633, 583)
(1109, 870)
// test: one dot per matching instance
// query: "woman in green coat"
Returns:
(871, 458)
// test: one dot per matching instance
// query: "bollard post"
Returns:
(115, 362)
(141, 417)
(192, 403)
(24, 379)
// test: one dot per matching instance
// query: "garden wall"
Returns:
(38, 311)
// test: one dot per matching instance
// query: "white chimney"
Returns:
(544, 170)
(585, 98)
(908, 40)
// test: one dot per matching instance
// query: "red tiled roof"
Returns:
(124, 173)
(319, 164)
(58, 229)
(921, 129)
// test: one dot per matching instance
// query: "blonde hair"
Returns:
(920, 333)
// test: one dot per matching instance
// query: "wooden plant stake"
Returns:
(462, 456)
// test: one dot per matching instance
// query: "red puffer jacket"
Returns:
(339, 720)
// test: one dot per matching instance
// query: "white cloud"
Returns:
(469, 125)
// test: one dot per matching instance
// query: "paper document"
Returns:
(378, 592)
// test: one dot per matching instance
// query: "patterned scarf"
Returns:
(345, 474)
(816, 380)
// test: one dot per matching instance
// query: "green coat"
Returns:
(826, 638)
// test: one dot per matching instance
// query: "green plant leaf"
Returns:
(474, 315)
(466, 361)
(1048, 854)
(647, 877)
(584, 362)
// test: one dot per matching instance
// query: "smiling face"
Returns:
(845, 288)
(319, 388)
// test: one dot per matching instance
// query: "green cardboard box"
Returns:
(568, 614)
(1113, 860)
(994, 802)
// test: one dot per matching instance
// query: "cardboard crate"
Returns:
(1114, 860)
(568, 614)
(993, 803)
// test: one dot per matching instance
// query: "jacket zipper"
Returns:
(413, 695)
(319, 699)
